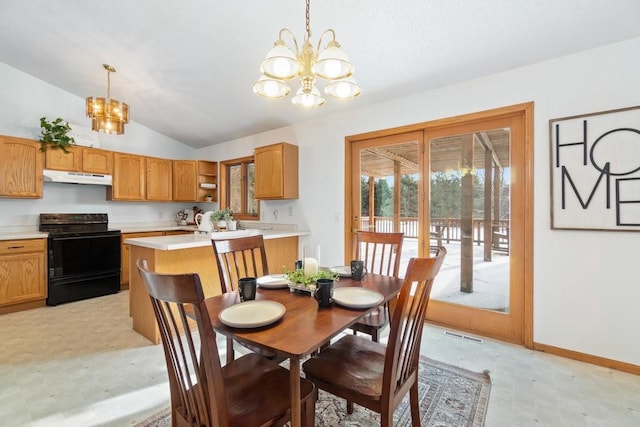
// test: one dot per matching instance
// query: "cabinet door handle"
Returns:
(15, 247)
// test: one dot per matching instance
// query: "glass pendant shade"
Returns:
(332, 63)
(107, 115)
(343, 89)
(312, 99)
(270, 88)
(280, 63)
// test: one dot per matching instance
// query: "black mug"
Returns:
(358, 270)
(247, 288)
(324, 292)
(299, 264)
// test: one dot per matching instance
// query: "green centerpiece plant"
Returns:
(298, 277)
(55, 135)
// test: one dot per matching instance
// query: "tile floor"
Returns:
(81, 364)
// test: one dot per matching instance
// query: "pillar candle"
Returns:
(310, 266)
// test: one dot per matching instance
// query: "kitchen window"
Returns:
(237, 179)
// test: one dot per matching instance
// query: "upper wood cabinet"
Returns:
(59, 160)
(184, 180)
(193, 179)
(276, 171)
(20, 168)
(207, 180)
(129, 177)
(80, 159)
(158, 179)
(95, 160)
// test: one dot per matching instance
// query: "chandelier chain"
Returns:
(108, 85)
(307, 20)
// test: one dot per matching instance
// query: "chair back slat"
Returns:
(380, 252)
(237, 258)
(195, 373)
(403, 347)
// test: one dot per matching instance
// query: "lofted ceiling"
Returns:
(186, 68)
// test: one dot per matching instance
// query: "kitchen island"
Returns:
(188, 253)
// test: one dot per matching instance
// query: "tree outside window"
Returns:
(238, 188)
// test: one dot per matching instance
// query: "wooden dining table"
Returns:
(305, 326)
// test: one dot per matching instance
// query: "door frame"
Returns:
(525, 112)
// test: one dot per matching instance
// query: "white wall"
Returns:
(586, 283)
(23, 100)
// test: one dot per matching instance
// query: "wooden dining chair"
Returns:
(370, 374)
(237, 258)
(381, 253)
(250, 391)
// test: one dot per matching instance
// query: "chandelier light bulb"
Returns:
(343, 89)
(270, 88)
(310, 99)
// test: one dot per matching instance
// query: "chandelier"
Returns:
(282, 64)
(106, 114)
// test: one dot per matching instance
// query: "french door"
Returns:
(463, 183)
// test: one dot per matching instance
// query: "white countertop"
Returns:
(186, 241)
(17, 235)
(128, 228)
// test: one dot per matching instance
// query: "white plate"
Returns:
(273, 281)
(354, 297)
(252, 314)
(342, 271)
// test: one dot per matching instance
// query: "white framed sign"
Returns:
(595, 171)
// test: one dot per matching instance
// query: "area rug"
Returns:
(449, 397)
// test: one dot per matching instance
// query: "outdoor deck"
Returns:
(490, 279)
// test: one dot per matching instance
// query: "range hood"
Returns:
(76, 177)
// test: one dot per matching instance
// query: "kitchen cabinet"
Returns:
(20, 168)
(158, 179)
(95, 160)
(59, 160)
(193, 179)
(125, 258)
(129, 177)
(80, 159)
(276, 171)
(23, 274)
(185, 187)
(207, 180)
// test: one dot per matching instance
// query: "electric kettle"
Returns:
(203, 221)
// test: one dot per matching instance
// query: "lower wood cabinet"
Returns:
(23, 274)
(125, 272)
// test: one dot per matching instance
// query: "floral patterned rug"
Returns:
(449, 397)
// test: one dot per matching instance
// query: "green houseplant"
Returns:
(54, 134)
(221, 217)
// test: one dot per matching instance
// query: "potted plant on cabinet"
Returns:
(208, 197)
(221, 218)
(54, 135)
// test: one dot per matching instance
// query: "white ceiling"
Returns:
(186, 68)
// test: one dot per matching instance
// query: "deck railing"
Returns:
(449, 229)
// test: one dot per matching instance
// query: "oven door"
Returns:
(74, 255)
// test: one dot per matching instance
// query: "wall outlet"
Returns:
(290, 210)
(336, 217)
